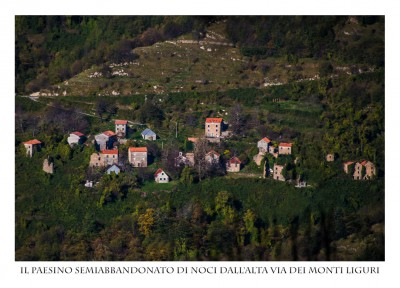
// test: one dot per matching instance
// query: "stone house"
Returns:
(105, 140)
(121, 128)
(31, 145)
(213, 127)
(358, 173)
(187, 160)
(114, 168)
(233, 165)
(370, 169)
(330, 157)
(263, 145)
(212, 157)
(75, 138)
(278, 172)
(148, 134)
(110, 157)
(347, 166)
(96, 160)
(48, 167)
(285, 148)
(160, 176)
(273, 151)
(137, 156)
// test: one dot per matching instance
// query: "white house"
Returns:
(148, 134)
(31, 145)
(75, 138)
(105, 140)
(121, 127)
(263, 145)
(114, 168)
(160, 176)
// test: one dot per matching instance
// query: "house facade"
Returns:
(110, 157)
(285, 148)
(48, 166)
(213, 127)
(137, 156)
(212, 157)
(75, 138)
(160, 176)
(370, 169)
(347, 166)
(121, 128)
(277, 175)
(263, 145)
(233, 165)
(105, 140)
(31, 145)
(148, 134)
(96, 160)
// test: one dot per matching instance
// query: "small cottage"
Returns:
(31, 146)
(285, 148)
(263, 145)
(121, 128)
(233, 165)
(278, 172)
(137, 156)
(160, 176)
(114, 169)
(75, 138)
(213, 127)
(212, 157)
(148, 134)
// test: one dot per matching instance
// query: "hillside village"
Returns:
(107, 158)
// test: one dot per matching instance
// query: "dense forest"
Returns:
(202, 214)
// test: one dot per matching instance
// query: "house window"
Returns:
(208, 126)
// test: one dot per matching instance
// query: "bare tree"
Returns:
(237, 119)
(200, 150)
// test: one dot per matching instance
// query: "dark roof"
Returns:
(148, 132)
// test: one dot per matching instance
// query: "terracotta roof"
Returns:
(115, 151)
(77, 133)
(109, 133)
(34, 141)
(266, 139)
(213, 152)
(285, 144)
(213, 120)
(122, 122)
(193, 139)
(364, 162)
(137, 149)
(159, 170)
(235, 160)
(348, 163)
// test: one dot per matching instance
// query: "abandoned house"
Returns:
(330, 157)
(187, 160)
(137, 156)
(233, 165)
(31, 146)
(278, 172)
(263, 145)
(212, 157)
(121, 128)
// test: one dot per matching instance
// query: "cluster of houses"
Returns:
(265, 146)
(108, 157)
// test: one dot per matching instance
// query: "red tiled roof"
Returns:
(159, 170)
(213, 120)
(77, 133)
(285, 144)
(235, 160)
(213, 152)
(348, 162)
(109, 133)
(364, 162)
(137, 149)
(266, 139)
(115, 151)
(34, 141)
(122, 122)
(193, 139)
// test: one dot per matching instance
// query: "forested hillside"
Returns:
(300, 80)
